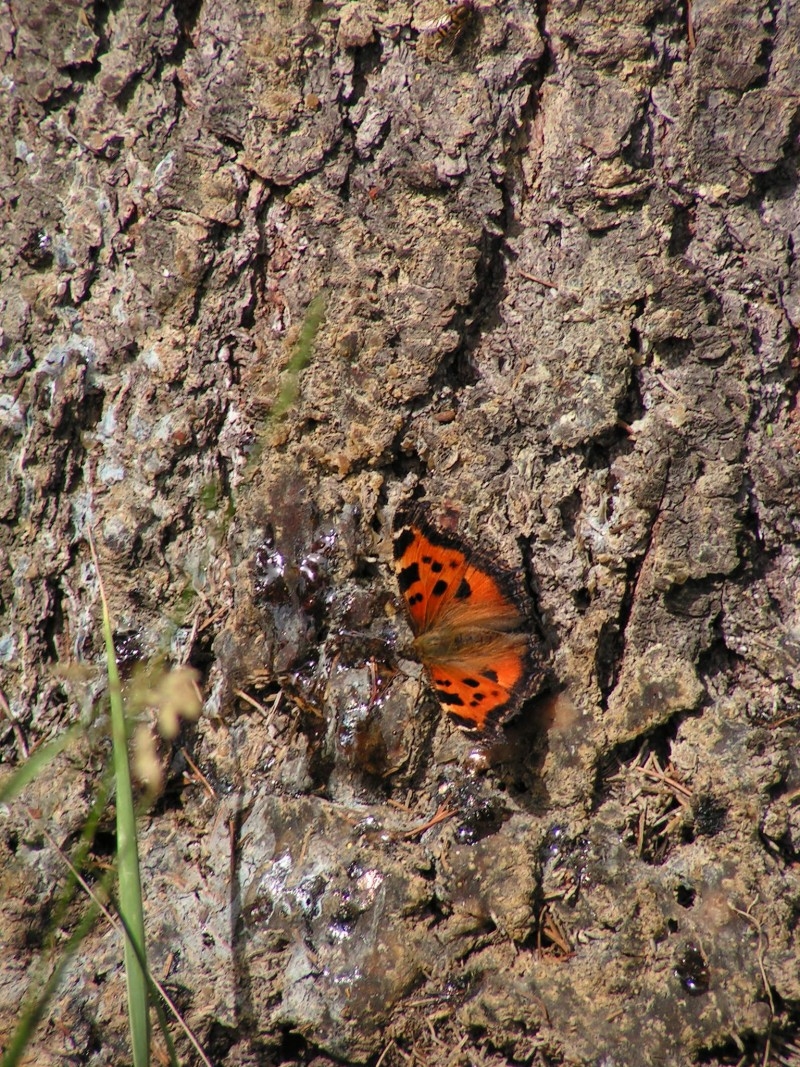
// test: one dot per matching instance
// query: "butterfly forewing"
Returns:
(479, 601)
(429, 571)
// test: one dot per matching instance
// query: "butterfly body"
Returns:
(455, 642)
(468, 616)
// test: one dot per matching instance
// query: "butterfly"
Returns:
(468, 617)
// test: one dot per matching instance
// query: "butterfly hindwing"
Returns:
(464, 611)
(489, 688)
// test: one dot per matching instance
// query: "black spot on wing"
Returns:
(488, 721)
(490, 674)
(437, 567)
(464, 590)
(439, 589)
(472, 683)
(408, 576)
(402, 541)
(451, 699)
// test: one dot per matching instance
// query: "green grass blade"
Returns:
(130, 886)
(35, 764)
(34, 1007)
(34, 1013)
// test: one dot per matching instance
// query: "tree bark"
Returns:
(269, 271)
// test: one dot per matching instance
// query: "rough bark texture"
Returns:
(557, 254)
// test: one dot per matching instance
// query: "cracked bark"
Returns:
(562, 297)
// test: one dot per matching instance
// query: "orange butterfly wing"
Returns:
(464, 612)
